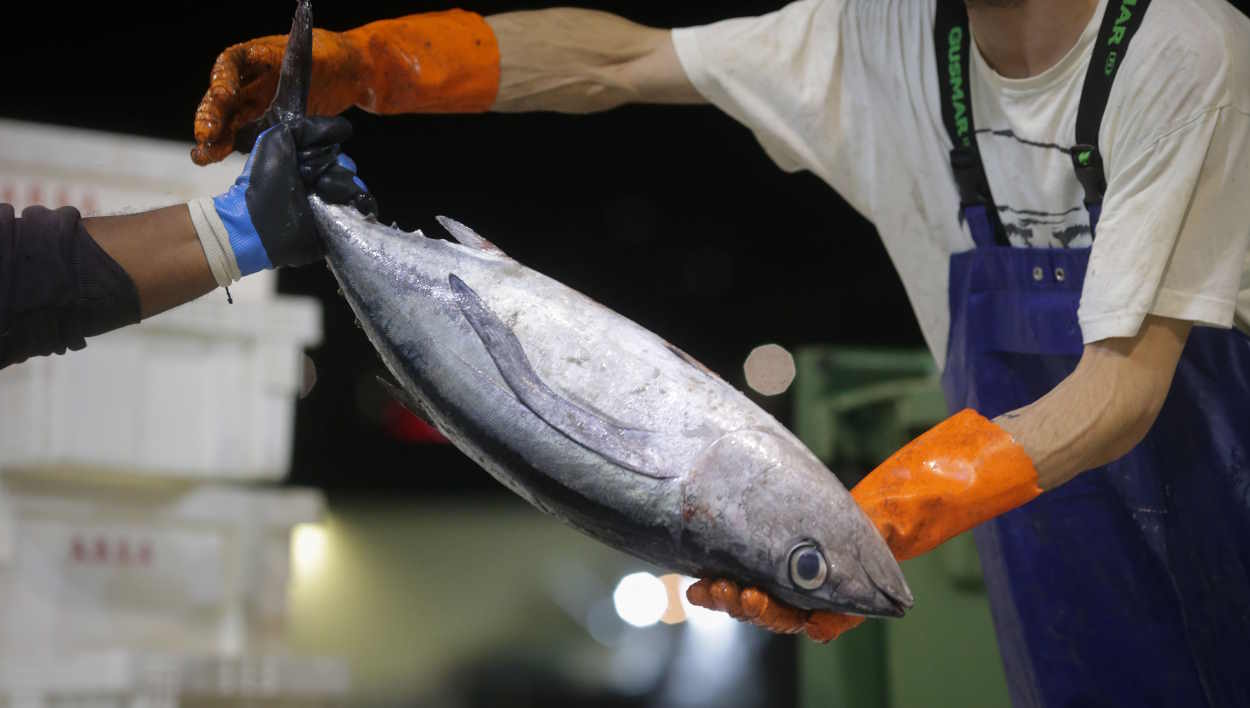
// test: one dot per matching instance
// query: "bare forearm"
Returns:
(583, 61)
(1104, 408)
(161, 253)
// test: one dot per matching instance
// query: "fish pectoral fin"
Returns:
(405, 399)
(467, 236)
(652, 454)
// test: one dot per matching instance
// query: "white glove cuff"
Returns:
(215, 240)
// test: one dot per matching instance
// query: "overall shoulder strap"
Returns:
(952, 42)
(1122, 20)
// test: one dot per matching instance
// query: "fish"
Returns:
(589, 416)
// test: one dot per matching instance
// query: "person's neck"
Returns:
(1023, 38)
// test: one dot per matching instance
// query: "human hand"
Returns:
(266, 212)
(432, 62)
(245, 76)
(762, 610)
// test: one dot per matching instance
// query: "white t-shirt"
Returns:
(849, 90)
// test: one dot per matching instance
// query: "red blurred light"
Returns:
(402, 425)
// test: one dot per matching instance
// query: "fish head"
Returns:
(760, 508)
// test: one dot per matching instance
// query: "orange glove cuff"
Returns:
(436, 62)
(961, 473)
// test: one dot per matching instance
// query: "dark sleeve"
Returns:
(57, 286)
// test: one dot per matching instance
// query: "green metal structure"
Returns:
(853, 408)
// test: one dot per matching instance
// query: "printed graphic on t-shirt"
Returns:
(1035, 217)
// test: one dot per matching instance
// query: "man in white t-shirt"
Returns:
(1064, 187)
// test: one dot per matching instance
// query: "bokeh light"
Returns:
(770, 370)
(308, 549)
(641, 599)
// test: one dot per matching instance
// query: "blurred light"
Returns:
(640, 661)
(308, 548)
(604, 625)
(640, 599)
(404, 425)
(674, 586)
(705, 621)
(310, 377)
(770, 370)
(718, 662)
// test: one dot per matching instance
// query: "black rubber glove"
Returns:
(266, 211)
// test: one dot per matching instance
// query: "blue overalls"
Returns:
(1130, 585)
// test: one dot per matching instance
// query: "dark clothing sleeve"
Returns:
(57, 286)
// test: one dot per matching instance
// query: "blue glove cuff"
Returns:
(249, 252)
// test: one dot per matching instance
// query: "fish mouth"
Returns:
(892, 597)
(882, 603)
(889, 604)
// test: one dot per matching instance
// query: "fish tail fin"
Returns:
(295, 79)
(290, 101)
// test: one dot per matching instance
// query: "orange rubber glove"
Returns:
(963, 472)
(438, 62)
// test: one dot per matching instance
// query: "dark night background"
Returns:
(672, 216)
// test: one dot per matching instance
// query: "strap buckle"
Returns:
(1087, 162)
(969, 176)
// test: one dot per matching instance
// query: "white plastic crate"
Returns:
(176, 568)
(124, 679)
(151, 585)
(101, 173)
(203, 391)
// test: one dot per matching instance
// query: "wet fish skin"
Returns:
(735, 493)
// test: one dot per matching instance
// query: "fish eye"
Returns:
(808, 569)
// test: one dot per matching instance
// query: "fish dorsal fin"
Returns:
(649, 453)
(467, 236)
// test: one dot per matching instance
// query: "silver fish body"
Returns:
(597, 421)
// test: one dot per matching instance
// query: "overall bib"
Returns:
(1130, 585)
